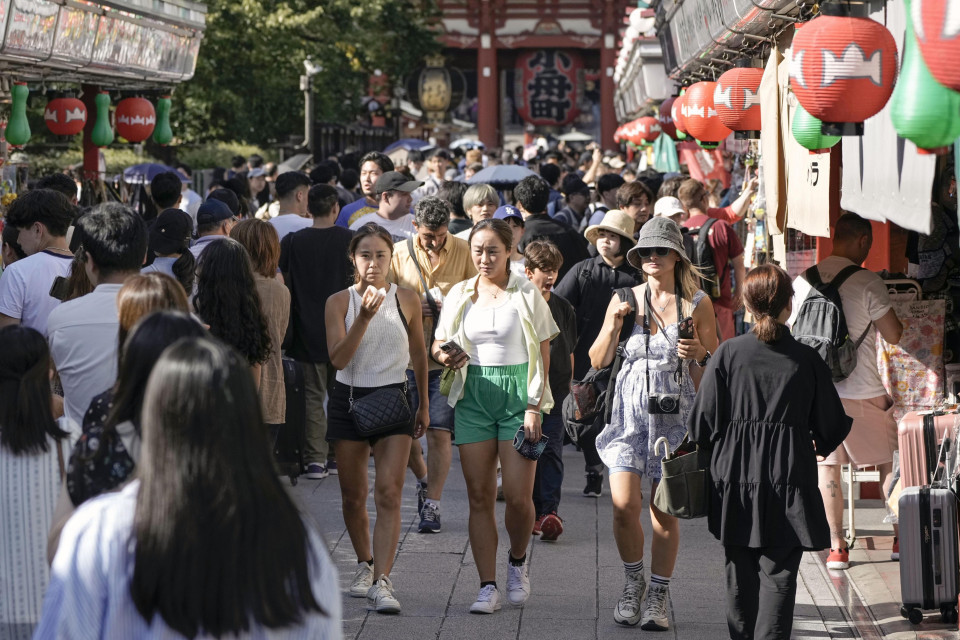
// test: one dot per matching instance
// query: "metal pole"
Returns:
(306, 85)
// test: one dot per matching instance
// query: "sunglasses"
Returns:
(646, 252)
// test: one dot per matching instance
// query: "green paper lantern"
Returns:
(18, 127)
(163, 134)
(807, 131)
(923, 110)
(102, 134)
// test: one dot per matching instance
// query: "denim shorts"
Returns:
(441, 413)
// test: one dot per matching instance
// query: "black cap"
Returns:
(213, 211)
(170, 232)
(395, 181)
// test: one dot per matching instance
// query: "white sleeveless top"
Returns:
(384, 351)
(494, 335)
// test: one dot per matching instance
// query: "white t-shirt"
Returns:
(401, 228)
(865, 300)
(25, 288)
(161, 265)
(83, 342)
(290, 222)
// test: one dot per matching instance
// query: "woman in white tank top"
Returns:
(371, 338)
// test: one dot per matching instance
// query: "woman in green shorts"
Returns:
(503, 327)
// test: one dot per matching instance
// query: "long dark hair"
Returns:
(26, 417)
(228, 301)
(219, 543)
(147, 340)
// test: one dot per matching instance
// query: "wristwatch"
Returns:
(703, 363)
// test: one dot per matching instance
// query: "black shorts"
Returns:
(340, 422)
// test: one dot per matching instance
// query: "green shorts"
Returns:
(493, 403)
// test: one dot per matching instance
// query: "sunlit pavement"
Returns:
(575, 581)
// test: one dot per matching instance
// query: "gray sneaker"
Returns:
(627, 611)
(362, 580)
(380, 597)
(655, 609)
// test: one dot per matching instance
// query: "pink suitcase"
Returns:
(919, 435)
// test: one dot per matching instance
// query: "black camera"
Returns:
(663, 403)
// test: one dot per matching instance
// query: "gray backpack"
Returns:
(820, 323)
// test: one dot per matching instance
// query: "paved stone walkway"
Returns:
(575, 582)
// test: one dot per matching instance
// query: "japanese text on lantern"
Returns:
(548, 87)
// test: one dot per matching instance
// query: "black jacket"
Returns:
(588, 286)
(572, 245)
(761, 408)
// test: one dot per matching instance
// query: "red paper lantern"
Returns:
(618, 135)
(135, 119)
(843, 70)
(738, 102)
(667, 125)
(548, 86)
(678, 115)
(937, 25)
(700, 114)
(648, 130)
(65, 116)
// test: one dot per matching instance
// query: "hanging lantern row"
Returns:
(667, 125)
(135, 118)
(700, 115)
(737, 101)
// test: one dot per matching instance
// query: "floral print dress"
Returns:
(628, 440)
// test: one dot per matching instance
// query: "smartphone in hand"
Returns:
(685, 329)
(452, 349)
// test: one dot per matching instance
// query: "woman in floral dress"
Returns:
(653, 396)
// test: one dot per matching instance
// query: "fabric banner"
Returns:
(912, 370)
(665, 155)
(703, 164)
(808, 182)
(771, 160)
(884, 178)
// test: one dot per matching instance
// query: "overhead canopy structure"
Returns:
(122, 43)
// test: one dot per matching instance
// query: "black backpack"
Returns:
(820, 323)
(697, 244)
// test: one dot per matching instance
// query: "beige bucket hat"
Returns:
(616, 221)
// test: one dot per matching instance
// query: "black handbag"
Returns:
(381, 411)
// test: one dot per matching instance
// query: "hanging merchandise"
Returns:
(648, 130)
(676, 112)
(18, 127)
(102, 134)
(135, 119)
(936, 24)
(163, 134)
(737, 101)
(700, 116)
(665, 158)
(923, 110)
(667, 125)
(807, 131)
(65, 116)
(843, 69)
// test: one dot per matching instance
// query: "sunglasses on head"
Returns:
(646, 252)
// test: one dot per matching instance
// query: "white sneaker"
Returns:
(655, 609)
(488, 600)
(627, 611)
(380, 598)
(362, 580)
(518, 584)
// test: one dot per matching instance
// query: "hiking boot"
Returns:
(518, 584)
(551, 526)
(317, 471)
(655, 609)
(421, 496)
(380, 597)
(430, 518)
(895, 550)
(839, 559)
(488, 600)
(594, 485)
(362, 580)
(627, 611)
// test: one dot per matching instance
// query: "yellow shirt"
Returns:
(455, 265)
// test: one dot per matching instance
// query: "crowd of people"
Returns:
(142, 387)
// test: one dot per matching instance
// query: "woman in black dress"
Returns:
(767, 408)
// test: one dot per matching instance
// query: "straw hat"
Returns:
(616, 221)
(658, 232)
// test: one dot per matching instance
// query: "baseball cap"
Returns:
(508, 211)
(256, 173)
(667, 206)
(228, 197)
(395, 181)
(171, 231)
(213, 211)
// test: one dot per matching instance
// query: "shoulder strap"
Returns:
(845, 273)
(812, 275)
(705, 228)
(423, 282)
(626, 295)
(60, 464)
(403, 318)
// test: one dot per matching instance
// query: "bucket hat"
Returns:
(658, 232)
(616, 221)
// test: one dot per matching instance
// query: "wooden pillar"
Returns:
(488, 103)
(91, 152)
(608, 60)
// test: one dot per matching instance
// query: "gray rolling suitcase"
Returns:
(928, 553)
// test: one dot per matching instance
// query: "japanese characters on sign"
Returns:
(548, 86)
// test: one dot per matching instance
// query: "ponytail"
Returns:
(768, 329)
(767, 291)
(185, 270)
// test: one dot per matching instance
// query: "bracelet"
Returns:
(532, 411)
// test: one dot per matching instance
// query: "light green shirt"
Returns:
(538, 325)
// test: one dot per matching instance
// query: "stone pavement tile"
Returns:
(545, 629)
(402, 627)
(569, 607)
(700, 631)
(501, 625)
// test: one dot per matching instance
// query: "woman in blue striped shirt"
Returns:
(206, 543)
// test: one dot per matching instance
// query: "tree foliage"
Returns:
(246, 85)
